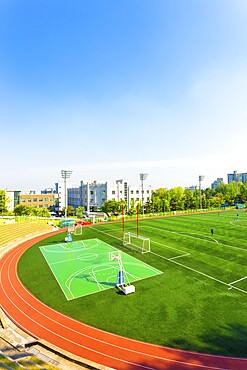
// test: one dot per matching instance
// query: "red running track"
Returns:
(85, 341)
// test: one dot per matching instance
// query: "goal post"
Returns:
(136, 242)
(76, 230)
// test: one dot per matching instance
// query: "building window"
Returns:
(137, 191)
(40, 199)
(113, 192)
(35, 199)
(29, 200)
(46, 199)
(23, 200)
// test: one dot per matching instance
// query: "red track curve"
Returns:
(85, 341)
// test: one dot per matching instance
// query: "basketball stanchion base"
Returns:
(128, 289)
(121, 285)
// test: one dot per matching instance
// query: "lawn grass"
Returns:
(189, 306)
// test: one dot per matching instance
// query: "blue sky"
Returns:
(110, 89)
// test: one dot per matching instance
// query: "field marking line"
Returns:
(198, 272)
(236, 281)
(182, 255)
(175, 249)
(103, 232)
(193, 237)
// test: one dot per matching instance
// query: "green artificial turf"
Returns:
(189, 306)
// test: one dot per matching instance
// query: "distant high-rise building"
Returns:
(216, 183)
(238, 177)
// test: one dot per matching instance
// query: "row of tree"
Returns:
(163, 200)
(179, 199)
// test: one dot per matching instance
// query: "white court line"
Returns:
(233, 282)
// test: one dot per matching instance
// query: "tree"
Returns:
(176, 198)
(112, 207)
(79, 211)
(70, 211)
(161, 200)
(44, 212)
(190, 199)
(3, 202)
(22, 210)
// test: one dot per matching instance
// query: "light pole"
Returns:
(65, 175)
(143, 177)
(200, 189)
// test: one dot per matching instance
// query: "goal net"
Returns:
(136, 242)
(76, 230)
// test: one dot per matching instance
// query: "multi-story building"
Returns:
(92, 195)
(40, 201)
(137, 194)
(238, 177)
(216, 183)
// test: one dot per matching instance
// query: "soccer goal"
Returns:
(76, 230)
(136, 242)
(71, 229)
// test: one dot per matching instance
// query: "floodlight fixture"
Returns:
(143, 176)
(65, 175)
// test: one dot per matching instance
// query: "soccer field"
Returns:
(212, 246)
(198, 303)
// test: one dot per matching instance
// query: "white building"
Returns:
(60, 190)
(12, 198)
(92, 195)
